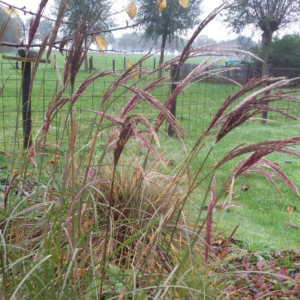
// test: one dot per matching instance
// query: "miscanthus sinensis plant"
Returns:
(108, 223)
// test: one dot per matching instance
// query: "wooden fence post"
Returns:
(114, 65)
(140, 70)
(174, 78)
(54, 61)
(17, 65)
(91, 64)
(154, 64)
(270, 74)
(26, 70)
(124, 62)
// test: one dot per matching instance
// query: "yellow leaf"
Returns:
(131, 10)
(52, 160)
(184, 3)
(9, 11)
(162, 5)
(101, 43)
(133, 71)
(290, 209)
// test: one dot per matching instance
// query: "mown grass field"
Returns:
(261, 221)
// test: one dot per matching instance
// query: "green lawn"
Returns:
(261, 222)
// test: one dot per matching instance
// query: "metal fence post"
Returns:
(90, 64)
(124, 62)
(270, 74)
(17, 65)
(54, 61)
(140, 70)
(113, 65)
(26, 71)
(174, 78)
(154, 64)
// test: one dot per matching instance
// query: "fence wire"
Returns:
(195, 106)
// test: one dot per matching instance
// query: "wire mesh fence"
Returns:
(195, 106)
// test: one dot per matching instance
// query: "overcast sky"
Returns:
(215, 29)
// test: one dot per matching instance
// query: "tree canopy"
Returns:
(13, 30)
(91, 10)
(284, 52)
(44, 28)
(268, 16)
(86, 9)
(169, 24)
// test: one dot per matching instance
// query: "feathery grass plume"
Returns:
(252, 105)
(128, 130)
(75, 56)
(267, 168)
(198, 71)
(148, 98)
(211, 205)
(64, 4)
(60, 101)
(123, 78)
(54, 108)
(260, 150)
(89, 80)
(135, 99)
(35, 22)
(139, 119)
(187, 49)
(140, 136)
(249, 86)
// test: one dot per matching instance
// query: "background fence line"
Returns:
(195, 106)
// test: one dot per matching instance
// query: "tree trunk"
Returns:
(86, 59)
(266, 44)
(162, 52)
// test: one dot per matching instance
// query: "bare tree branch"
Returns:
(18, 45)
(23, 9)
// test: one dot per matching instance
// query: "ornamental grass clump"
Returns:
(112, 220)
